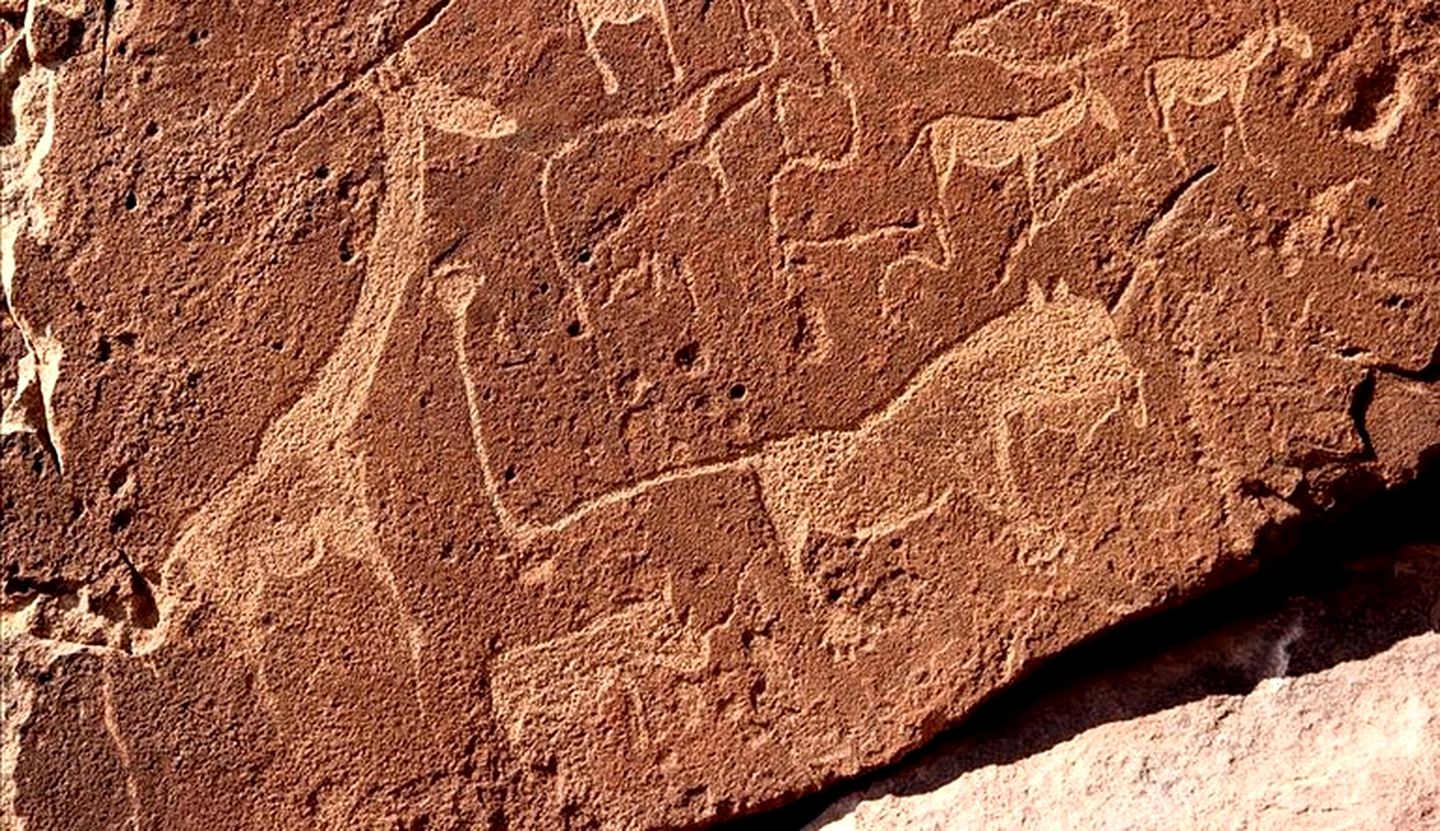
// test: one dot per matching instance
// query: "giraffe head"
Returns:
(1289, 36)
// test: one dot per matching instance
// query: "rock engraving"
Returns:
(634, 414)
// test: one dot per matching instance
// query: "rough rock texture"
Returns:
(627, 413)
(1356, 746)
(1305, 716)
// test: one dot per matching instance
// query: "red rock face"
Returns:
(628, 413)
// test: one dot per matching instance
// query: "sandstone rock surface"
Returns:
(1321, 711)
(629, 413)
(1356, 746)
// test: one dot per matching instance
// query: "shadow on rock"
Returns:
(1330, 590)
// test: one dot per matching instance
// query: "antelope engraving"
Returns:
(996, 143)
(1202, 82)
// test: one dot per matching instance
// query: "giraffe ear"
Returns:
(1035, 294)
(1103, 113)
(1296, 40)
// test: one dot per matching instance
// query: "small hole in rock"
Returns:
(122, 48)
(583, 256)
(131, 202)
(322, 172)
(574, 329)
(152, 129)
(737, 392)
(102, 350)
(896, 542)
(144, 612)
(277, 345)
(346, 254)
(1372, 90)
(687, 355)
(509, 473)
(1373, 203)
(120, 520)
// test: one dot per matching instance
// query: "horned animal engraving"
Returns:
(1201, 82)
(595, 14)
(996, 143)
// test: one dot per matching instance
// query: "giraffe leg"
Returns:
(1177, 148)
(1236, 98)
(677, 72)
(607, 75)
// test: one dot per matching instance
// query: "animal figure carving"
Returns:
(1202, 82)
(1034, 37)
(595, 14)
(950, 432)
(1043, 39)
(604, 659)
(313, 436)
(996, 143)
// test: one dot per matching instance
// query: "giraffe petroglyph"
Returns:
(316, 435)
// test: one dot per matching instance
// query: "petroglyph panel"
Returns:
(632, 413)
